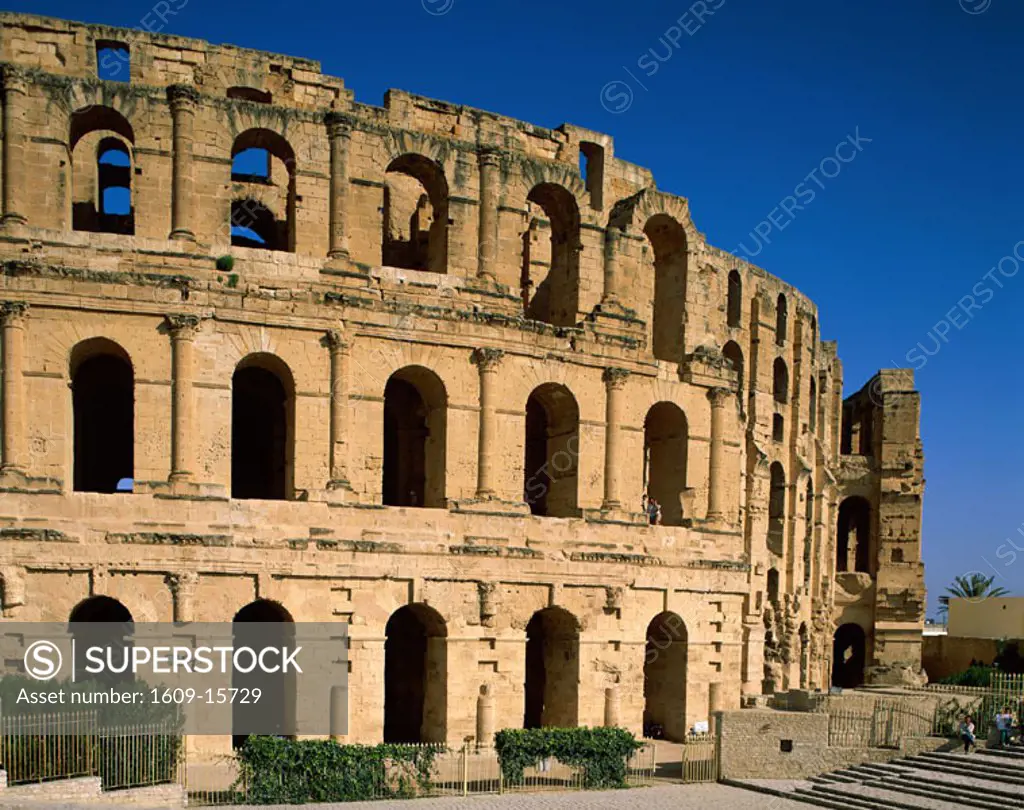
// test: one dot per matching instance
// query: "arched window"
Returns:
(592, 172)
(665, 670)
(113, 61)
(552, 451)
(262, 429)
(853, 536)
(102, 621)
(665, 446)
(734, 354)
(776, 508)
(781, 320)
(415, 676)
(103, 402)
(263, 179)
(773, 585)
(415, 438)
(849, 652)
(550, 278)
(780, 381)
(415, 215)
(668, 241)
(258, 625)
(812, 414)
(734, 307)
(101, 145)
(778, 427)
(552, 669)
(808, 532)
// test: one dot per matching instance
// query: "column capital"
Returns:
(14, 79)
(488, 360)
(182, 583)
(615, 378)
(182, 97)
(335, 340)
(182, 327)
(720, 396)
(488, 155)
(13, 313)
(339, 125)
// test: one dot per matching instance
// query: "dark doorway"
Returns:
(853, 539)
(415, 676)
(102, 621)
(552, 669)
(665, 448)
(665, 677)
(261, 624)
(261, 429)
(848, 656)
(415, 405)
(103, 400)
(551, 460)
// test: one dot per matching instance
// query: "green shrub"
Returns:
(600, 752)
(226, 263)
(233, 280)
(277, 771)
(974, 675)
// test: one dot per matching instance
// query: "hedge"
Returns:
(279, 771)
(601, 753)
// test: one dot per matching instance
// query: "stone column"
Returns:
(488, 361)
(615, 381)
(340, 135)
(183, 591)
(339, 405)
(15, 90)
(489, 191)
(12, 324)
(339, 712)
(716, 698)
(183, 329)
(611, 266)
(612, 707)
(183, 100)
(484, 719)
(720, 398)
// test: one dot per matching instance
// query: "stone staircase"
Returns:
(986, 778)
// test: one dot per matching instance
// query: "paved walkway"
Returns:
(677, 797)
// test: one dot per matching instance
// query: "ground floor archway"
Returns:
(552, 669)
(665, 677)
(415, 676)
(260, 624)
(849, 653)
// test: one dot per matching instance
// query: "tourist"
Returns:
(1004, 724)
(967, 734)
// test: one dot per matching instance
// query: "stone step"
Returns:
(837, 798)
(1003, 753)
(797, 795)
(968, 766)
(977, 785)
(1010, 765)
(942, 792)
(884, 796)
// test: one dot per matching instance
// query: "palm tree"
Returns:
(975, 587)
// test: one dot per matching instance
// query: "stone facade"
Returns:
(413, 368)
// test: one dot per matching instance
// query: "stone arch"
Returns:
(262, 428)
(102, 621)
(781, 320)
(415, 438)
(780, 381)
(854, 545)
(773, 585)
(263, 623)
(415, 216)
(101, 149)
(550, 277)
(415, 675)
(551, 688)
(808, 532)
(732, 352)
(734, 300)
(263, 171)
(551, 464)
(849, 656)
(666, 439)
(665, 677)
(776, 508)
(804, 639)
(103, 406)
(668, 242)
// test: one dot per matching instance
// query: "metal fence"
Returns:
(700, 758)
(44, 747)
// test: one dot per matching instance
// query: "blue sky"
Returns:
(744, 104)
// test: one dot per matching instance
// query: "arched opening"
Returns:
(780, 381)
(734, 354)
(853, 536)
(263, 180)
(415, 438)
(773, 586)
(734, 307)
(102, 621)
(103, 402)
(665, 447)
(415, 235)
(550, 278)
(665, 678)
(551, 465)
(776, 508)
(261, 624)
(778, 427)
(592, 172)
(849, 651)
(781, 320)
(812, 414)
(262, 429)
(805, 654)
(415, 676)
(101, 148)
(668, 241)
(808, 532)
(552, 669)
(113, 61)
